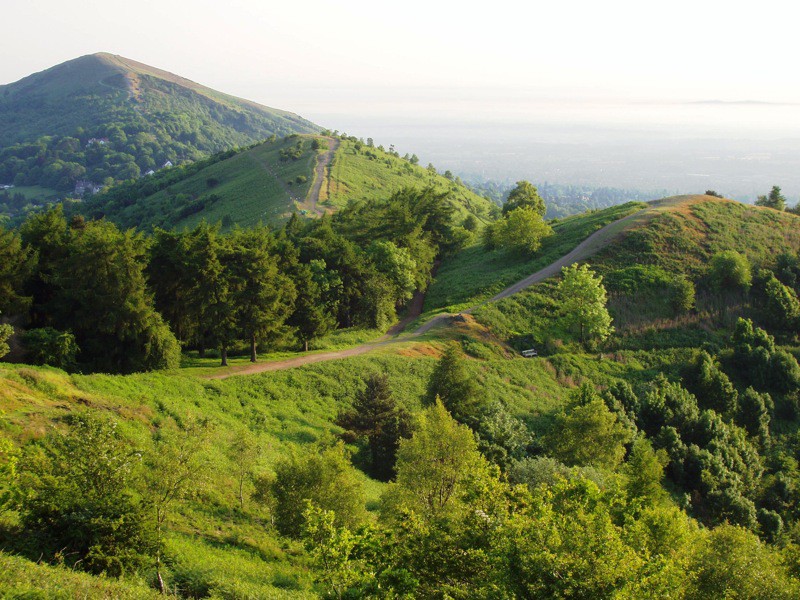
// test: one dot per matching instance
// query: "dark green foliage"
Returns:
(759, 363)
(376, 416)
(451, 383)
(708, 457)
(263, 297)
(711, 385)
(754, 414)
(524, 195)
(730, 271)
(90, 281)
(48, 346)
(311, 316)
(16, 264)
(77, 503)
(774, 200)
(777, 304)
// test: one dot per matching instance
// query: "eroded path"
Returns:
(321, 175)
(588, 247)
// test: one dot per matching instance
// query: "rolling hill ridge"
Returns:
(313, 174)
(105, 118)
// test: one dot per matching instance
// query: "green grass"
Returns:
(683, 238)
(36, 192)
(251, 187)
(355, 175)
(476, 274)
(21, 578)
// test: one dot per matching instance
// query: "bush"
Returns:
(79, 505)
(48, 346)
(325, 478)
(730, 270)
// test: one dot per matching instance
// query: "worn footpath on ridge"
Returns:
(588, 247)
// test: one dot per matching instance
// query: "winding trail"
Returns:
(320, 175)
(588, 247)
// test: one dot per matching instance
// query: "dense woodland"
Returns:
(126, 301)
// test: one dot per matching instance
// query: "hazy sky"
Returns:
(352, 56)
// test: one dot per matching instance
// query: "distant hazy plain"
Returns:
(739, 149)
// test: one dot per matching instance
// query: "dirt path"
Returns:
(320, 175)
(591, 245)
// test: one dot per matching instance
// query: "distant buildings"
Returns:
(98, 141)
(84, 186)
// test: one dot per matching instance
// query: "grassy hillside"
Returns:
(475, 274)
(260, 184)
(249, 187)
(105, 118)
(675, 238)
(360, 172)
(212, 543)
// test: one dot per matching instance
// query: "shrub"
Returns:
(730, 270)
(48, 346)
(325, 478)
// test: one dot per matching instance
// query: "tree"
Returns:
(732, 562)
(729, 270)
(774, 200)
(6, 331)
(397, 265)
(780, 307)
(244, 452)
(100, 294)
(712, 386)
(263, 296)
(436, 465)
(48, 346)
(522, 230)
(645, 470)
(16, 266)
(589, 434)
(177, 464)
(311, 317)
(326, 479)
(682, 295)
(454, 387)
(78, 500)
(524, 194)
(583, 303)
(210, 297)
(331, 549)
(376, 416)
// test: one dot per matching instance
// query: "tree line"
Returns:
(91, 296)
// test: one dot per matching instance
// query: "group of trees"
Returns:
(83, 286)
(590, 520)
(522, 227)
(126, 298)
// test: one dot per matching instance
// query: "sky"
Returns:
(565, 90)
(306, 54)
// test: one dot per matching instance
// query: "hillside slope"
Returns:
(269, 181)
(103, 117)
(674, 239)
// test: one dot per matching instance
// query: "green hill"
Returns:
(269, 181)
(659, 463)
(106, 118)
